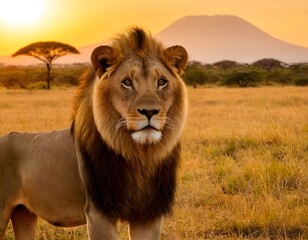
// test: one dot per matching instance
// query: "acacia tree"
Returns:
(268, 63)
(46, 52)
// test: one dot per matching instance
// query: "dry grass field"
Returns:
(244, 172)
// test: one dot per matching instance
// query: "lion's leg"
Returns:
(4, 220)
(99, 226)
(146, 231)
(24, 223)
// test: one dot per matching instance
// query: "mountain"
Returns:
(208, 39)
(214, 38)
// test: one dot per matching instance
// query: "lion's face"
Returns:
(139, 103)
(143, 99)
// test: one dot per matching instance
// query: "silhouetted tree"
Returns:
(46, 52)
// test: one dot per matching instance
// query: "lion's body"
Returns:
(39, 171)
(119, 159)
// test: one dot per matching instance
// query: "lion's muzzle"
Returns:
(148, 129)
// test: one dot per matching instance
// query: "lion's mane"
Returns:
(125, 181)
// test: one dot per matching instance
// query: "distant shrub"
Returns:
(14, 82)
(195, 75)
(67, 80)
(243, 79)
(301, 82)
(37, 85)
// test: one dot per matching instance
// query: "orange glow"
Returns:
(81, 23)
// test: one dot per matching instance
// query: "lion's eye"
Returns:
(127, 83)
(162, 83)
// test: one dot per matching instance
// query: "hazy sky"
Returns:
(83, 22)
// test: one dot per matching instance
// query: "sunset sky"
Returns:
(84, 22)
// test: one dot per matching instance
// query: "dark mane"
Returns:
(116, 190)
(139, 37)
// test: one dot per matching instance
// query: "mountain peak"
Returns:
(219, 37)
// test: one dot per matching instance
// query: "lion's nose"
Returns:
(148, 113)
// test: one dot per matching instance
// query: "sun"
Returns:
(21, 11)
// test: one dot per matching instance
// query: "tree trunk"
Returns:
(48, 75)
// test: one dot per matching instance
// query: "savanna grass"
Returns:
(244, 172)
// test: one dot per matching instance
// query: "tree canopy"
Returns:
(225, 64)
(269, 63)
(46, 52)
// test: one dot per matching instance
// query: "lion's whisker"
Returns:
(169, 124)
(121, 123)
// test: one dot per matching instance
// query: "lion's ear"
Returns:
(102, 57)
(177, 56)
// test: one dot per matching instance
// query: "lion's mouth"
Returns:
(147, 135)
(149, 127)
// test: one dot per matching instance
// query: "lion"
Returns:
(118, 161)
